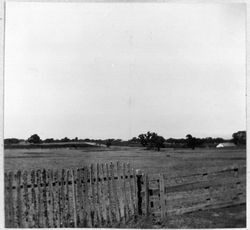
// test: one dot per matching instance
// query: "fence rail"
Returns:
(104, 195)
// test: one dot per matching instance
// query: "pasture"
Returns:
(169, 161)
(172, 161)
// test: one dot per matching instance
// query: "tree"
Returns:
(144, 138)
(49, 140)
(151, 140)
(157, 141)
(65, 139)
(109, 142)
(134, 140)
(239, 138)
(35, 139)
(191, 141)
(218, 140)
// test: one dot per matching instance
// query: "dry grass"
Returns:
(230, 217)
(168, 160)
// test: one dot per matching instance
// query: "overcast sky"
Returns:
(100, 70)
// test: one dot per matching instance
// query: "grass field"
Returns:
(171, 161)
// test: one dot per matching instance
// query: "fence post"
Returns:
(126, 205)
(51, 194)
(34, 199)
(97, 188)
(109, 195)
(9, 195)
(104, 195)
(114, 188)
(7, 191)
(135, 193)
(62, 196)
(120, 186)
(45, 198)
(26, 210)
(131, 189)
(139, 189)
(74, 197)
(162, 197)
(146, 194)
(19, 199)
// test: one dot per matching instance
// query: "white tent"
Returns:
(226, 144)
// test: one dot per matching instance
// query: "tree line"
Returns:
(154, 141)
(149, 140)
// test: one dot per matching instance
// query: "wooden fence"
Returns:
(207, 189)
(99, 195)
(104, 195)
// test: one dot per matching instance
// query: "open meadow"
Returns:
(170, 161)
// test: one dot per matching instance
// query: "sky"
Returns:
(116, 70)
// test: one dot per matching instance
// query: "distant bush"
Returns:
(9, 141)
(48, 146)
(49, 140)
(65, 139)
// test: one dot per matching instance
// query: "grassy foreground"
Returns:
(230, 217)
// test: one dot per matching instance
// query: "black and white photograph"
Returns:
(122, 114)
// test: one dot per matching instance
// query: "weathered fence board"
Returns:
(120, 191)
(146, 189)
(34, 200)
(110, 203)
(9, 194)
(126, 206)
(135, 192)
(162, 200)
(131, 192)
(85, 194)
(19, 200)
(103, 195)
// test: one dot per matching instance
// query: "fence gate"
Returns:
(207, 189)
